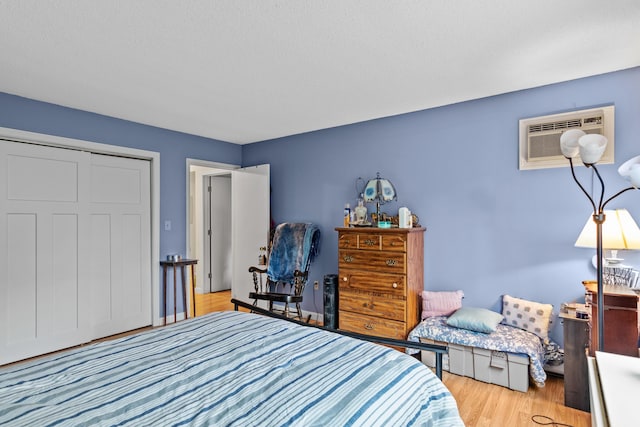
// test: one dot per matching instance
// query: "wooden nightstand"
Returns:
(381, 278)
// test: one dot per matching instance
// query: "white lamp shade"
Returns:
(592, 148)
(569, 142)
(619, 231)
(630, 170)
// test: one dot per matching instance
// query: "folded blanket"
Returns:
(294, 246)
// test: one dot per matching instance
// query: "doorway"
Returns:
(217, 258)
(226, 225)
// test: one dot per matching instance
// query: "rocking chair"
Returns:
(293, 247)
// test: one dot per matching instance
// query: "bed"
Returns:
(226, 369)
(506, 339)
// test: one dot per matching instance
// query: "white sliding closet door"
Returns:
(75, 248)
(44, 297)
(120, 244)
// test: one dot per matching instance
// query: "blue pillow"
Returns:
(475, 319)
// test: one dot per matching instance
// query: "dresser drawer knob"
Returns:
(344, 279)
(347, 258)
(394, 285)
(369, 242)
(369, 326)
(391, 262)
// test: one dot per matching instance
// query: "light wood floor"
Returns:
(480, 404)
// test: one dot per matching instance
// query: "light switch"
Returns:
(167, 226)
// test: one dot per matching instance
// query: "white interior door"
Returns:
(120, 244)
(250, 210)
(45, 302)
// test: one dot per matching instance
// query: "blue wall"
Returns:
(491, 228)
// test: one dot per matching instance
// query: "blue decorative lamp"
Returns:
(379, 190)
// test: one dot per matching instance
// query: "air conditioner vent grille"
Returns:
(539, 140)
(566, 124)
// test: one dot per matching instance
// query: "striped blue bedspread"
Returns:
(506, 338)
(226, 369)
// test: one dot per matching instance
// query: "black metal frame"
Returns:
(598, 218)
(439, 350)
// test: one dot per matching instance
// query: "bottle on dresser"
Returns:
(347, 214)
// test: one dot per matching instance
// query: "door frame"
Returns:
(215, 168)
(115, 150)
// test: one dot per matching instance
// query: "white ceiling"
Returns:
(249, 70)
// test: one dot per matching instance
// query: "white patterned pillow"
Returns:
(531, 316)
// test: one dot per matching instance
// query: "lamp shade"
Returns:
(591, 147)
(379, 189)
(569, 142)
(619, 231)
(630, 170)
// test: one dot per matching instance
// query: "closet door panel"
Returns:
(120, 212)
(21, 283)
(44, 296)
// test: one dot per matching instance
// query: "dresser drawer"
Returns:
(369, 325)
(371, 305)
(373, 241)
(363, 281)
(348, 241)
(394, 242)
(382, 261)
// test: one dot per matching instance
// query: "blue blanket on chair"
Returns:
(294, 246)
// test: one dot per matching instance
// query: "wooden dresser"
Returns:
(621, 320)
(381, 278)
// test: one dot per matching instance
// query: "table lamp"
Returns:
(619, 232)
(379, 190)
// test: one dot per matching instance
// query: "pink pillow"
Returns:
(441, 303)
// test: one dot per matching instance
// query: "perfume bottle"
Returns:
(361, 211)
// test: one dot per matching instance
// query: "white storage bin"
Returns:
(429, 357)
(496, 367)
(518, 372)
(505, 369)
(491, 366)
(461, 360)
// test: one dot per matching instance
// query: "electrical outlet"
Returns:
(316, 285)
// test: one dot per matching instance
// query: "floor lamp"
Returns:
(590, 148)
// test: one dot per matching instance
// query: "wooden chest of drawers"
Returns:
(381, 277)
(621, 320)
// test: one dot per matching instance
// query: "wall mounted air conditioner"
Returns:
(540, 136)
